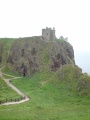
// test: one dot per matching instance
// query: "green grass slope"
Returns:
(58, 99)
(6, 92)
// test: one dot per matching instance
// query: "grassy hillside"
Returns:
(63, 94)
(58, 99)
(6, 92)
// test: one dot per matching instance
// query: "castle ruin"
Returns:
(48, 33)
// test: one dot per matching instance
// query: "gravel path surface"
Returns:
(14, 88)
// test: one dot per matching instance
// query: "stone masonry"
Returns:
(48, 33)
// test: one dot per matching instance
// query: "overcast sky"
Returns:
(71, 18)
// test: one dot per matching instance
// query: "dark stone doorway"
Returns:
(24, 72)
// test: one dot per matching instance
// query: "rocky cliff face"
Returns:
(28, 55)
(1, 52)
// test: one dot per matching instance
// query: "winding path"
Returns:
(14, 88)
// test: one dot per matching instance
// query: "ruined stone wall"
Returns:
(48, 34)
(52, 35)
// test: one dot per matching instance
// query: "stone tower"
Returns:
(48, 33)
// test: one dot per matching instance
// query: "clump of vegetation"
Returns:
(83, 86)
(75, 79)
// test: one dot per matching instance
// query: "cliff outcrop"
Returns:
(49, 59)
(28, 55)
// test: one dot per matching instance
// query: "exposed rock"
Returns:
(0, 59)
(27, 55)
(1, 52)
